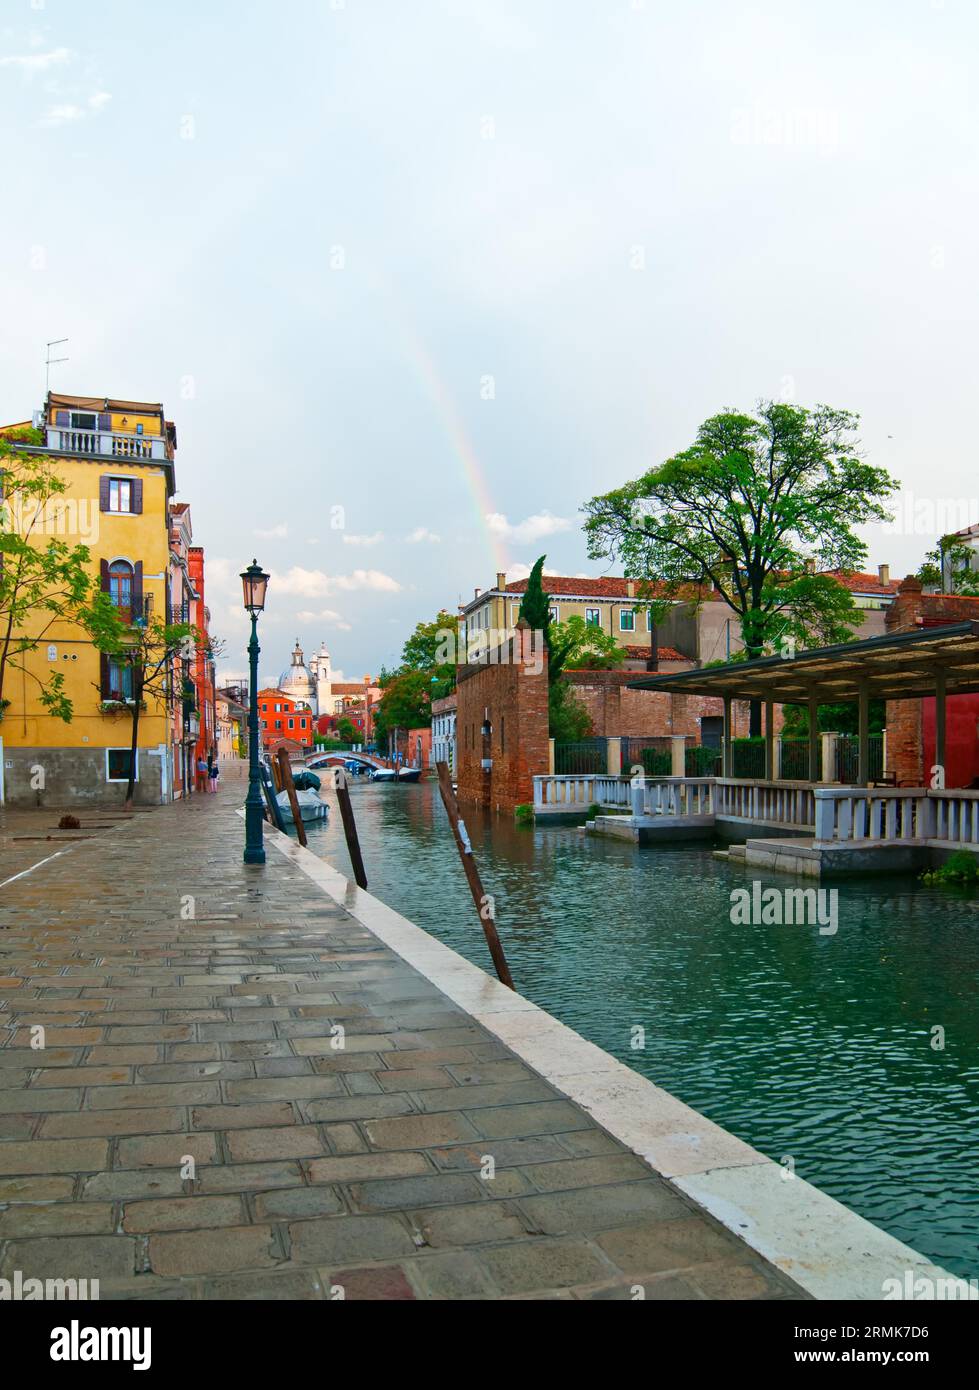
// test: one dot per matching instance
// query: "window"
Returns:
(120, 495)
(302, 723)
(627, 620)
(117, 761)
(120, 681)
(81, 420)
(265, 707)
(593, 617)
(292, 723)
(121, 588)
(553, 612)
(278, 723)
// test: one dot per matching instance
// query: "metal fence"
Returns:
(701, 761)
(848, 758)
(653, 754)
(586, 755)
(795, 760)
(747, 757)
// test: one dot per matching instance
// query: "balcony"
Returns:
(104, 444)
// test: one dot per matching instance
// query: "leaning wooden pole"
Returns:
(472, 874)
(285, 772)
(350, 827)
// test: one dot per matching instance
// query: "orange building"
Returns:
(282, 719)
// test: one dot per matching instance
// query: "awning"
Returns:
(900, 666)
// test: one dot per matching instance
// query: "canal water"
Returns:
(818, 1049)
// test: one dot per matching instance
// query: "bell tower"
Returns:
(324, 681)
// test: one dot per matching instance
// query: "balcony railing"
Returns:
(105, 444)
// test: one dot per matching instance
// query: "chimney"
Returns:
(630, 588)
(884, 573)
(500, 579)
(475, 593)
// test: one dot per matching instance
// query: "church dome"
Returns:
(297, 682)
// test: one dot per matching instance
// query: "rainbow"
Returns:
(462, 446)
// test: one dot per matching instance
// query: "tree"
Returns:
(577, 646)
(567, 718)
(346, 731)
(754, 510)
(948, 567)
(43, 579)
(145, 649)
(406, 703)
(841, 718)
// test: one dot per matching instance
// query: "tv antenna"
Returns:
(52, 361)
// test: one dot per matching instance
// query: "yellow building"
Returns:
(608, 602)
(116, 458)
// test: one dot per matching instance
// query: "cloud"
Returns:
(522, 571)
(326, 615)
(275, 533)
(377, 537)
(68, 113)
(33, 63)
(317, 584)
(532, 528)
(422, 533)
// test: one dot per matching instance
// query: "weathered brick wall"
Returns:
(911, 611)
(616, 711)
(515, 698)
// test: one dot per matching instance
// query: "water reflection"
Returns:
(818, 1047)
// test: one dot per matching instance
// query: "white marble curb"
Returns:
(826, 1248)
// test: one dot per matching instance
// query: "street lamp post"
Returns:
(254, 582)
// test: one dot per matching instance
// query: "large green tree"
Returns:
(949, 567)
(753, 510)
(44, 579)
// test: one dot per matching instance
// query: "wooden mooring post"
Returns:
(481, 900)
(285, 772)
(272, 808)
(349, 826)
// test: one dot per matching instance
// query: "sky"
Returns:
(415, 280)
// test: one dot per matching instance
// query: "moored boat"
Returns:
(311, 807)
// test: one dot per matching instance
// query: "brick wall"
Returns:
(910, 723)
(616, 711)
(516, 701)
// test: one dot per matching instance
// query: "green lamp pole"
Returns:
(254, 582)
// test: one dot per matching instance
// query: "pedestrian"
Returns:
(202, 773)
(212, 773)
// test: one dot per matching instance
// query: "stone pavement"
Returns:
(192, 1127)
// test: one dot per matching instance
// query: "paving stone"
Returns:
(470, 1225)
(254, 1145)
(397, 1194)
(94, 1122)
(586, 1172)
(285, 1285)
(598, 1208)
(241, 1177)
(345, 1139)
(387, 1283)
(182, 1213)
(84, 1076)
(418, 1131)
(106, 1258)
(291, 1203)
(224, 1249)
(57, 1218)
(118, 1097)
(651, 1247)
(532, 1265)
(358, 1107)
(419, 1079)
(342, 1238)
(284, 1088)
(453, 1274)
(242, 1116)
(511, 1121)
(365, 1166)
(54, 1156)
(166, 1150)
(504, 1152)
(134, 1183)
(36, 1189)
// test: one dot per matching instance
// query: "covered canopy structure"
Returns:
(936, 661)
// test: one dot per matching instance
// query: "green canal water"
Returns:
(809, 1046)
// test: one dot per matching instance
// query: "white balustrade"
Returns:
(885, 814)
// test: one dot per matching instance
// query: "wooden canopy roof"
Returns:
(899, 666)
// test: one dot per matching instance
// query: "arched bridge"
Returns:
(334, 759)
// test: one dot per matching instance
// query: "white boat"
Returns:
(383, 774)
(311, 807)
